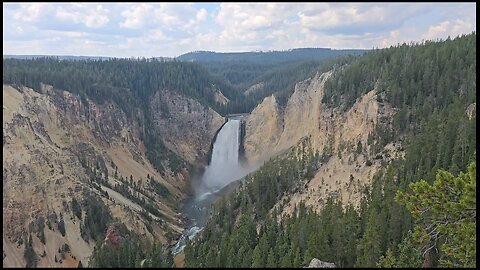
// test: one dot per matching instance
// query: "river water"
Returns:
(216, 181)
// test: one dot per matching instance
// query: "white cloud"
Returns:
(462, 27)
(170, 29)
(171, 17)
(180, 17)
(202, 15)
(437, 30)
(90, 15)
(135, 17)
(250, 23)
(156, 35)
(347, 18)
(391, 40)
(449, 28)
(29, 12)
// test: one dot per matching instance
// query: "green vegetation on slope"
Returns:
(128, 82)
(130, 252)
(281, 80)
(436, 133)
(445, 214)
(268, 58)
(430, 85)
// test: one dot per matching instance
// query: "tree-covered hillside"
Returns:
(431, 85)
(268, 58)
(131, 84)
(281, 80)
(419, 210)
(279, 71)
(433, 91)
(128, 82)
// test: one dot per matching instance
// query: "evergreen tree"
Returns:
(446, 215)
(387, 261)
(258, 258)
(410, 255)
(29, 254)
(297, 259)
(370, 244)
(271, 260)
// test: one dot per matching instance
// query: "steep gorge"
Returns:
(377, 129)
(65, 149)
(59, 148)
(270, 130)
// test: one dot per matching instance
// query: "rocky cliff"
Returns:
(316, 263)
(271, 130)
(186, 126)
(60, 149)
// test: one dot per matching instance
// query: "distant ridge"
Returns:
(61, 57)
(263, 57)
(268, 57)
(79, 57)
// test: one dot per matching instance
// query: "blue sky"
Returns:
(171, 29)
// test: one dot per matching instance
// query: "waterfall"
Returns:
(223, 169)
(224, 166)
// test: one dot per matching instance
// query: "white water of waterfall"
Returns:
(224, 166)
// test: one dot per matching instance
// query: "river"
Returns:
(217, 180)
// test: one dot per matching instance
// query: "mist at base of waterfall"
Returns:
(218, 179)
(224, 166)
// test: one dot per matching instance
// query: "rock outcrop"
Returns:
(58, 146)
(270, 130)
(254, 88)
(220, 98)
(263, 127)
(471, 110)
(186, 126)
(113, 237)
(316, 263)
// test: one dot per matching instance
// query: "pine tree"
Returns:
(297, 259)
(29, 254)
(370, 244)
(271, 260)
(446, 209)
(257, 258)
(61, 225)
(387, 261)
(410, 255)
(286, 260)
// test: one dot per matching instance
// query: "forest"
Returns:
(130, 83)
(420, 209)
(269, 57)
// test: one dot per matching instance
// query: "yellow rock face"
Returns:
(44, 134)
(263, 127)
(270, 130)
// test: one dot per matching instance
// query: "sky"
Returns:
(172, 29)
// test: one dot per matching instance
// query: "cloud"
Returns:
(94, 16)
(202, 15)
(170, 29)
(136, 16)
(170, 17)
(29, 12)
(359, 18)
(448, 28)
(437, 30)
(249, 24)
